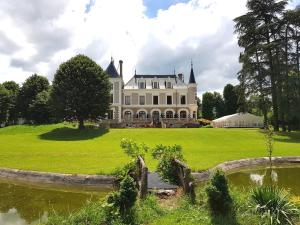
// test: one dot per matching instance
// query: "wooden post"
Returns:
(184, 174)
(142, 178)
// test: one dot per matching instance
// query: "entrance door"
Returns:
(155, 116)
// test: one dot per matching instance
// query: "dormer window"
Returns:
(142, 85)
(155, 85)
(168, 85)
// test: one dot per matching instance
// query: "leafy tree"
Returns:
(39, 109)
(4, 104)
(230, 99)
(199, 104)
(219, 105)
(13, 89)
(208, 104)
(30, 89)
(81, 90)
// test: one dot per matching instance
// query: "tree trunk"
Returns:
(273, 88)
(262, 92)
(81, 124)
(287, 89)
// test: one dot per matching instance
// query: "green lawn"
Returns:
(61, 148)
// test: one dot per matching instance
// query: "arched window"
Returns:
(183, 114)
(142, 114)
(169, 114)
(127, 115)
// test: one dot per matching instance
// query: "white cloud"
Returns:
(41, 34)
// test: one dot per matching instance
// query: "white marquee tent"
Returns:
(239, 120)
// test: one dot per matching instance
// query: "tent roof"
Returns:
(239, 117)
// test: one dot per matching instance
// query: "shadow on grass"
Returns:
(71, 134)
(224, 220)
(287, 137)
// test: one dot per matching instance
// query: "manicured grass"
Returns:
(62, 148)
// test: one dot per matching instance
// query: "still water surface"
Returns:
(287, 177)
(25, 204)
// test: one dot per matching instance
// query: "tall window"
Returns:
(169, 114)
(142, 114)
(142, 85)
(169, 85)
(183, 114)
(155, 85)
(127, 100)
(142, 100)
(182, 100)
(169, 100)
(111, 98)
(155, 100)
(127, 115)
(110, 114)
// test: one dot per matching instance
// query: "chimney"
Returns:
(121, 68)
(181, 77)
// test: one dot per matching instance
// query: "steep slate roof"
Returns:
(155, 76)
(111, 70)
(192, 77)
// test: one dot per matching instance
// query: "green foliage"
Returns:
(133, 149)
(230, 99)
(81, 90)
(208, 126)
(120, 205)
(208, 104)
(269, 137)
(273, 205)
(4, 104)
(13, 89)
(148, 209)
(39, 109)
(32, 86)
(219, 199)
(166, 167)
(121, 172)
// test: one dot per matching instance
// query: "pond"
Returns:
(287, 177)
(27, 204)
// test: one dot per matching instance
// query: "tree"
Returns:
(208, 103)
(219, 105)
(4, 104)
(81, 90)
(230, 99)
(13, 89)
(39, 109)
(32, 86)
(199, 104)
(259, 33)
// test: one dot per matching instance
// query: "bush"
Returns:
(128, 169)
(133, 149)
(273, 205)
(219, 199)
(208, 126)
(120, 205)
(166, 155)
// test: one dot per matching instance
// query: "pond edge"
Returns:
(235, 165)
(109, 180)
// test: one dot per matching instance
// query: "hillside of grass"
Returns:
(64, 149)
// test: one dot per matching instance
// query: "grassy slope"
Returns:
(57, 148)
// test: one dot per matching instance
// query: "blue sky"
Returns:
(154, 5)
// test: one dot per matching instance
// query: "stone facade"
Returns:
(152, 97)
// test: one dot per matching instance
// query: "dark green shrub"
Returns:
(166, 155)
(121, 172)
(219, 199)
(273, 205)
(120, 205)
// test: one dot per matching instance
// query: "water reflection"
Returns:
(25, 204)
(285, 177)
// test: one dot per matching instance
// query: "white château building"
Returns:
(148, 100)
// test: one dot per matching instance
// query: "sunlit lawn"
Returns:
(61, 148)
